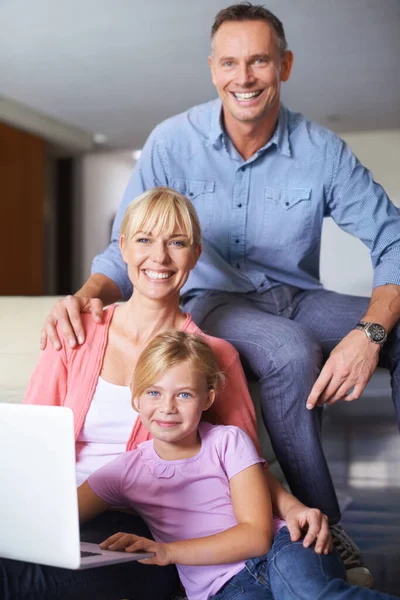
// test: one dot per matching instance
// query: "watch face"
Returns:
(376, 332)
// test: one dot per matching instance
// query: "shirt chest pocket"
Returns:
(201, 193)
(287, 213)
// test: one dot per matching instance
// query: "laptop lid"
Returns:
(38, 500)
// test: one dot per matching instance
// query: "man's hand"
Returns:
(311, 523)
(67, 313)
(346, 372)
(133, 543)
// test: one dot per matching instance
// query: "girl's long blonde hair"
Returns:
(169, 349)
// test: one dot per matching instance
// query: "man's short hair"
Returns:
(245, 11)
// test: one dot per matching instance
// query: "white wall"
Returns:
(102, 181)
(345, 263)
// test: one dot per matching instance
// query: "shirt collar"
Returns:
(281, 134)
(216, 129)
(280, 137)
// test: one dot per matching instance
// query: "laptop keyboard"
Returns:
(85, 554)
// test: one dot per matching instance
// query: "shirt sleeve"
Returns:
(149, 172)
(237, 451)
(108, 482)
(361, 207)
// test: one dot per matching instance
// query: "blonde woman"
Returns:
(160, 243)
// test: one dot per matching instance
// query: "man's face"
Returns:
(247, 68)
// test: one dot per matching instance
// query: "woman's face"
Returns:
(158, 264)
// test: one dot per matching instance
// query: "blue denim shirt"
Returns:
(261, 218)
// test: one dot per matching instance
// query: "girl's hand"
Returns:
(134, 543)
(313, 525)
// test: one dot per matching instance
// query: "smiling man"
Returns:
(262, 179)
(249, 61)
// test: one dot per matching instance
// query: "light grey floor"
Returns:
(362, 444)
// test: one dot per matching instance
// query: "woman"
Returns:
(160, 243)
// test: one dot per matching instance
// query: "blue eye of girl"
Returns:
(179, 243)
(153, 393)
(185, 395)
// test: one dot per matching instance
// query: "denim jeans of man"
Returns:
(283, 336)
(26, 581)
(291, 572)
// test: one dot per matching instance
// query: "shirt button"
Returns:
(237, 241)
(190, 194)
(242, 169)
(240, 205)
(286, 203)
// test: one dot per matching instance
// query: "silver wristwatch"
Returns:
(374, 332)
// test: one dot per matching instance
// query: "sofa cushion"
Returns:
(21, 320)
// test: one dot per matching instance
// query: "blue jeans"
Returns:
(291, 572)
(26, 581)
(283, 336)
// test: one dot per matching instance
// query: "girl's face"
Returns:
(171, 409)
(159, 265)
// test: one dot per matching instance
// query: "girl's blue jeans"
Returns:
(291, 572)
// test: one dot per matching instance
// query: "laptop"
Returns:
(38, 498)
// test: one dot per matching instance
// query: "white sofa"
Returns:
(21, 319)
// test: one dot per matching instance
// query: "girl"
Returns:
(202, 491)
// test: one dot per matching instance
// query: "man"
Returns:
(262, 178)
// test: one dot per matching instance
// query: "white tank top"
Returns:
(106, 430)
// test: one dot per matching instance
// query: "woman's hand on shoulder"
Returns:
(130, 542)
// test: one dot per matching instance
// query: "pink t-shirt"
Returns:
(183, 499)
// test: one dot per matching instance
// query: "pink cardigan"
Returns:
(69, 377)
